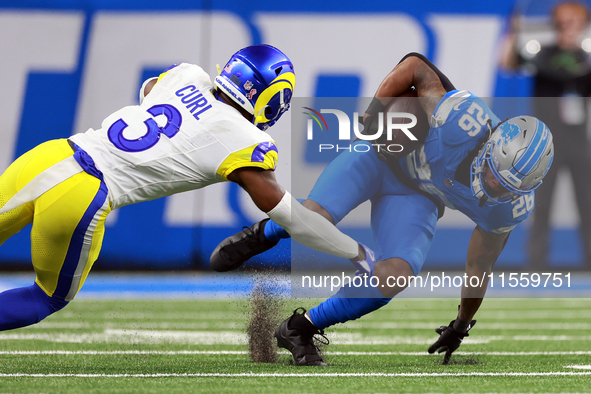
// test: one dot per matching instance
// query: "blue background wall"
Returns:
(65, 65)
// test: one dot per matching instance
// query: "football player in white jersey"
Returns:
(186, 133)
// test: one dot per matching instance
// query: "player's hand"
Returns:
(449, 340)
(370, 125)
(366, 266)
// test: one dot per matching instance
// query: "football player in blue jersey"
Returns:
(468, 160)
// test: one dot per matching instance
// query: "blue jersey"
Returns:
(459, 126)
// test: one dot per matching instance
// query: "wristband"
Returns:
(460, 326)
(374, 107)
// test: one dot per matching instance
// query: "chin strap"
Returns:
(483, 201)
(478, 168)
(477, 186)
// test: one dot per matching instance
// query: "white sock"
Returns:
(308, 317)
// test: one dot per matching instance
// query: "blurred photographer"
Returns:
(562, 75)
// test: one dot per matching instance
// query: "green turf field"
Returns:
(181, 346)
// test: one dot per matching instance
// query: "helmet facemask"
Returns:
(513, 161)
(261, 80)
(270, 113)
(482, 171)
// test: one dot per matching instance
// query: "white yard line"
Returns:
(234, 337)
(243, 352)
(487, 326)
(578, 366)
(237, 324)
(286, 375)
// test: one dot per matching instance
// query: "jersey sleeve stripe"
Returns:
(263, 155)
(165, 72)
(261, 150)
(446, 105)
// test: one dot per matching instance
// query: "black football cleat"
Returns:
(296, 334)
(235, 250)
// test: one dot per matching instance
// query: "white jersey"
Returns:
(180, 138)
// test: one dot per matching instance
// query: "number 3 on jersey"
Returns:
(148, 140)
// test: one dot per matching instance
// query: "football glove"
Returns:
(365, 267)
(370, 125)
(449, 340)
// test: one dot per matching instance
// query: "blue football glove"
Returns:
(365, 267)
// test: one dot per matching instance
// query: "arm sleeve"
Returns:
(311, 229)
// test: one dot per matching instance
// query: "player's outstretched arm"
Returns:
(305, 226)
(414, 70)
(483, 250)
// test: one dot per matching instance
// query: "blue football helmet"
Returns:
(519, 154)
(261, 79)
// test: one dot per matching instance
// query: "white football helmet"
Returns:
(519, 154)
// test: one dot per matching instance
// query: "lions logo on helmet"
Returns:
(519, 154)
(261, 80)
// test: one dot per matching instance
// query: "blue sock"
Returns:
(274, 232)
(25, 306)
(349, 303)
